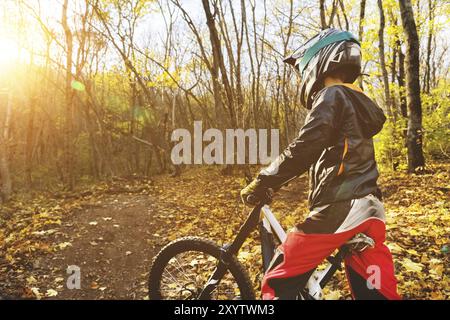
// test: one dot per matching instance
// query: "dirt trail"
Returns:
(111, 243)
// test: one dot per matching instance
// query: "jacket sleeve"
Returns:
(313, 138)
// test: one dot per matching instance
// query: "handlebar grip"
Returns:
(262, 199)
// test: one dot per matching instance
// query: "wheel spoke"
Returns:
(186, 275)
(180, 268)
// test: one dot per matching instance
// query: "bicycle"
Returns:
(214, 272)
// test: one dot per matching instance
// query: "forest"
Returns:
(92, 90)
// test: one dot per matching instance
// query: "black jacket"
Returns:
(336, 145)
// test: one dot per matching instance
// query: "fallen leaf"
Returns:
(44, 232)
(395, 248)
(411, 266)
(31, 280)
(36, 293)
(244, 255)
(412, 251)
(64, 245)
(51, 293)
(333, 295)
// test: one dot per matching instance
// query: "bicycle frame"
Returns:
(268, 227)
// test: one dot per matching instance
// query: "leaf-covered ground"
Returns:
(113, 231)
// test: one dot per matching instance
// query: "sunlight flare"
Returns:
(9, 51)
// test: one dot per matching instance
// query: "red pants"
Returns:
(302, 252)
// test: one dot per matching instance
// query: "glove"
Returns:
(255, 193)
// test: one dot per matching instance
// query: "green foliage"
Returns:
(390, 147)
(436, 123)
(390, 142)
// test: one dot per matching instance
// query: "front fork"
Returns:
(267, 251)
(229, 250)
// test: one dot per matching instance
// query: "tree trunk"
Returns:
(323, 21)
(362, 12)
(401, 81)
(133, 105)
(29, 146)
(218, 59)
(387, 94)
(333, 13)
(347, 25)
(401, 75)
(5, 174)
(426, 84)
(68, 147)
(414, 135)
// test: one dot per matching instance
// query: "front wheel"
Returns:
(182, 268)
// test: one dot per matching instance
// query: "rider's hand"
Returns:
(255, 193)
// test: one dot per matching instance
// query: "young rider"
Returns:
(336, 145)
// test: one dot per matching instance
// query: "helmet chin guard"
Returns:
(330, 50)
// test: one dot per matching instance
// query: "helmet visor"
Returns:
(297, 55)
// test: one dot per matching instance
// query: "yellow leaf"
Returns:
(36, 293)
(411, 266)
(412, 251)
(395, 248)
(437, 270)
(244, 255)
(9, 258)
(31, 280)
(333, 295)
(64, 245)
(51, 293)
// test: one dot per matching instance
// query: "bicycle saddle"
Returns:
(359, 243)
